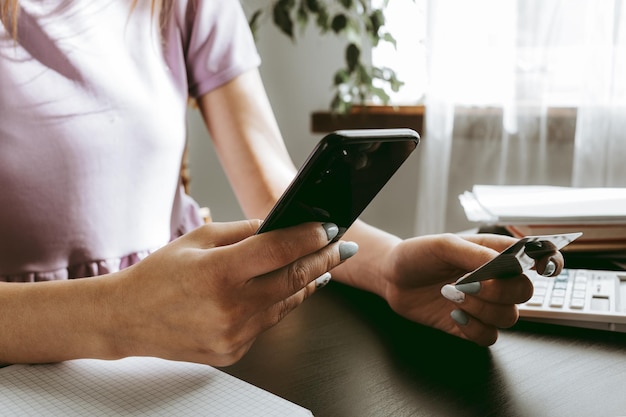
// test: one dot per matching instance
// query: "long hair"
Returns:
(10, 9)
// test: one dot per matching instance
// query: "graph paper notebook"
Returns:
(134, 387)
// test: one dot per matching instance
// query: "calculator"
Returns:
(587, 298)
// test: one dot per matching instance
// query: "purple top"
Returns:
(93, 128)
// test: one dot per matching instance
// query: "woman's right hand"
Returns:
(206, 296)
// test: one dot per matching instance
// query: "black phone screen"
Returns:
(342, 175)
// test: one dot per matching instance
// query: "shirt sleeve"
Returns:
(217, 43)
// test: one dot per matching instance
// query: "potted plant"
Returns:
(362, 26)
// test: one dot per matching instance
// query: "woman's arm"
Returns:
(204, 298)
(248, 142)
(55, 321)
(409, 274)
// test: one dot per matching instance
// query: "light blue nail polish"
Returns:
(470, 288)
(550, 268)
(322, 280)
(460, 317)
(347, 249)
(331, 230)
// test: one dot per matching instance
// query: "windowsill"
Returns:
(561, 121)
(366, 117)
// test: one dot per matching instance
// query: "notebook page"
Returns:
(133, 387)
(553, 204)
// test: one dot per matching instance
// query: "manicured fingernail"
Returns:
(460, 317)
(452, 293)
(347, 249)
(322, 280)
(534, 245)
(470, 288)
(550, 268)
(331, 230)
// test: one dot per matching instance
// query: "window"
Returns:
(508, 50)
(406, 21)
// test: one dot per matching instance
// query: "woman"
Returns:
(92, 130)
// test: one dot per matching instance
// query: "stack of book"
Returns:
(600, 213)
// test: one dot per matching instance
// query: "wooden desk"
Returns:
(344, 353)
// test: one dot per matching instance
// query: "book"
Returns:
(134, 386)
(592, 233)
(599, 213)
(519, 204)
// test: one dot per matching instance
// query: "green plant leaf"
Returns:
(364, 6)
(364, 76)
(323, 19)
(313, 5)
(353, 32)
(254, 22)
(394, 82)
(353, 55)
(347, 4)
(381, 94)
(339, 105)
(282, 18)
(339, 23)
(302, 15)
(387, 37)
(357, 22)
(341, 77)
(377, 19)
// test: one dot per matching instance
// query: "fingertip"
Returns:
(347, 250)
(470, 288)
(255, 223)
(322, 280)
(451, 293)
(538, 249)
(331, 229)
(460, 317)
(474, 330)
(550, 269)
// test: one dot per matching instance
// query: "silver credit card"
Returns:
(513, 260)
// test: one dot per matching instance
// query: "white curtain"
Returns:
(520, 92)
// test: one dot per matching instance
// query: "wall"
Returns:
(298, 79)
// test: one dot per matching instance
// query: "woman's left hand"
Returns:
(422, 268)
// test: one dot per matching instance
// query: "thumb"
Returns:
(469, 254)
(216, 234)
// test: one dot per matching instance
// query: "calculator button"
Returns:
(600, 303)
(557, 302)
(581, 274)
(535, 301)
(577, 303)
(578, 294)
(561, 285)
(558, 293)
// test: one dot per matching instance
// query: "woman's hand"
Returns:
(206, 296)
(420, 267)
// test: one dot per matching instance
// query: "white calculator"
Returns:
(579, 297)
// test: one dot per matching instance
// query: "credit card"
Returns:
(514, 260)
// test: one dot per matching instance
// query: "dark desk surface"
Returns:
(344, 353)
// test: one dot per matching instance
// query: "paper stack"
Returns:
(600, 213)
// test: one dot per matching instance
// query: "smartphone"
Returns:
(341, 176)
